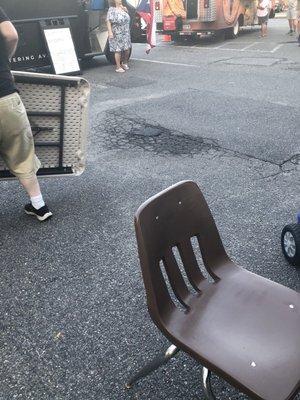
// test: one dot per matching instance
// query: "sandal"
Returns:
(125, 66)
(120, 70)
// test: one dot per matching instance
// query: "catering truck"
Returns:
(86, 19)
(201, 17)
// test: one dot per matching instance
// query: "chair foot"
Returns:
(206, 375)
(153, 365)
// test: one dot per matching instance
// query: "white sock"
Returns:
(37, 201)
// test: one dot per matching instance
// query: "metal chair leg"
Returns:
(206, 375)
(153, 365)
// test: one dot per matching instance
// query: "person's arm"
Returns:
(10, 36)
(110, 33)
(108, 23)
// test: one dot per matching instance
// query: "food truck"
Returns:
(201, 17)
(86, 19)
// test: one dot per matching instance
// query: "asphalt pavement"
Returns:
(226, 114)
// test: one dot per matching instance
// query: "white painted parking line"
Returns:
(196, 47)
(249, 45)
(166, 62)
(222, 47)
(250, 50)
(276, 48)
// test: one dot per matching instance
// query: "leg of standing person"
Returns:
(32, 187)
(295, 25)
(292, 25)
(263, 29)
(125, 59)
(290, 20)
(37, 206)
(118, 61)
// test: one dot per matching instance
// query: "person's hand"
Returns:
(110, 35)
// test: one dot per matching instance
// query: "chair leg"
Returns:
(206, 375)
(153, 365)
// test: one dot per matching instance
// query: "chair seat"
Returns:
(246, 329)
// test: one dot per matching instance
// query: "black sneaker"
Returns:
(42, 213)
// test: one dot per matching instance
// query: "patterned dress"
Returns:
(119, 20)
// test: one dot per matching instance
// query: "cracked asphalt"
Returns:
(74, 323)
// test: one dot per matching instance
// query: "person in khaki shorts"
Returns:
(291, 15)
(16, 140)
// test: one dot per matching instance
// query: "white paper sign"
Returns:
(62, 51)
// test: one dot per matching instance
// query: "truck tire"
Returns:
(110, 56)
(233, 32)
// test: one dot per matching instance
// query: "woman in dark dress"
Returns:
(118, 21)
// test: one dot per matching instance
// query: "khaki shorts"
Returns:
(291, 13)
(16, 140)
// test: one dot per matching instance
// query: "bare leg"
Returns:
(265, 27)
(118, 59)
(126, 56)
(37, 206)
(295, 25)
(31, 185)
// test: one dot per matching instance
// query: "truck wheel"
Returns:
(233, 32)
(290, 243)
(110, 56)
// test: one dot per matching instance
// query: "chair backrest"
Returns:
(167, 220)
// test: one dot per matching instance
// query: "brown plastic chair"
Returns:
(242, 327)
